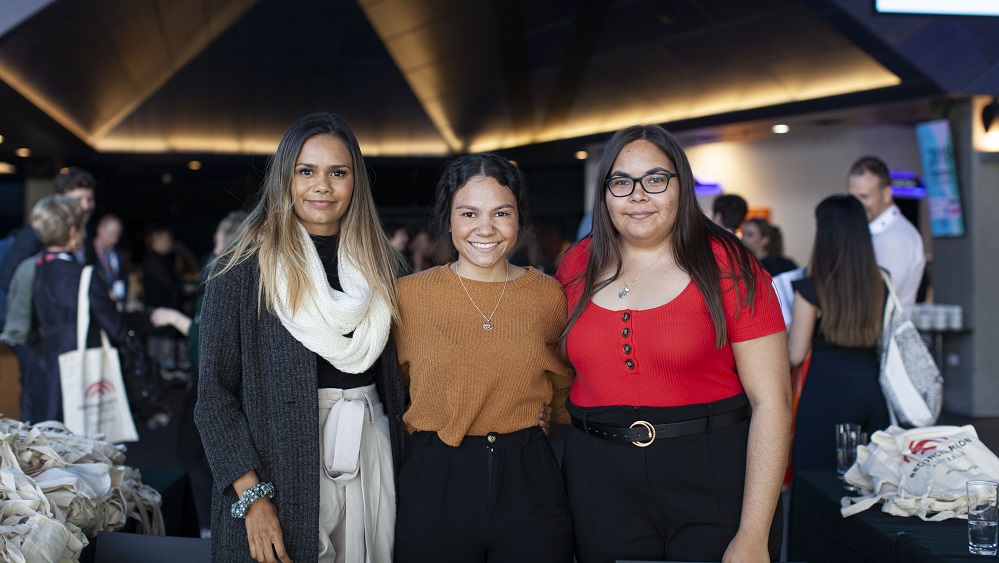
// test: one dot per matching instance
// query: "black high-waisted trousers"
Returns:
(495, 498)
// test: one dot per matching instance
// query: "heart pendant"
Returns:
(487, 326)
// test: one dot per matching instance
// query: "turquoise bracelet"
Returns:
(252, 495)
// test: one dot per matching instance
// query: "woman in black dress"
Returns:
(837, 313)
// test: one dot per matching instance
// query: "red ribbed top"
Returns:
(665, 356)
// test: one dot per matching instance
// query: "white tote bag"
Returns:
(919, 472)
(93, 393)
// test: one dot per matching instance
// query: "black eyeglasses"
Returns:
(654, 183)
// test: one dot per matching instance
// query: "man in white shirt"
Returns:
(898, 246)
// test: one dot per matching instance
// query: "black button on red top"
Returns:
(625, 333)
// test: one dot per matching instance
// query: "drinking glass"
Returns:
(847, 440)
(983, 517)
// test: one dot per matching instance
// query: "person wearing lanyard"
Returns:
(681, 401)
(477, 346)
(103, 253)
(58, 222)
(299, 398)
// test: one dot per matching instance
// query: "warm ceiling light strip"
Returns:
(255, 146)
(603, 122)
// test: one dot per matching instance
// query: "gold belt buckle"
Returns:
(650, 428)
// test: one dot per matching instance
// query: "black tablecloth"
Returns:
(817, 531)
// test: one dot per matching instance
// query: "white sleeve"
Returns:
(785, 293)
(904, 259)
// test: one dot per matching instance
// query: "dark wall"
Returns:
(11, 206)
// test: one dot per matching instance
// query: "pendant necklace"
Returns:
(488, 325)
(627, 287)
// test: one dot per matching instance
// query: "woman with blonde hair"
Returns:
(300, 402)
(58, 221)
(837, 314)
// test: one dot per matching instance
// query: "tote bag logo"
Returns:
(922, 446)
(99, 389)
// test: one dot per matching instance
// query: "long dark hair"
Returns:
(692, 236)
(459, 171)
(847, 280)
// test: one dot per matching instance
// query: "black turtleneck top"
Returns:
(330, 376)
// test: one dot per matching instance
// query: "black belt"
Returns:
(642, 433)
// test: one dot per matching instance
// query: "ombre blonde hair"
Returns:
(272, 232)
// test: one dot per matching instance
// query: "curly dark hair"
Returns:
(459, 171)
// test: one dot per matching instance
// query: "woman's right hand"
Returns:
(263, 531)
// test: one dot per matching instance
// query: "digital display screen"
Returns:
(938, 7)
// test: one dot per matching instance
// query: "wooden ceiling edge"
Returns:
(92, 138)
(436, 116)
(900, 94)
(213, 29)
(48, 108)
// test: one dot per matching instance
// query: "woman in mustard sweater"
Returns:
(477, 347)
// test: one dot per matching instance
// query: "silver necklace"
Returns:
(627, 287)
(488, 325)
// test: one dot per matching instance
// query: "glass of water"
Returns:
(848, 437)
(983, 517)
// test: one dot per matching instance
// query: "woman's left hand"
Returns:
(544, 418)
(745, 550)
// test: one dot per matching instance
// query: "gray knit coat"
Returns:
(258, 409)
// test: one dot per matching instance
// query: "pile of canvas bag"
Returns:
(57, 488)
(919, 472)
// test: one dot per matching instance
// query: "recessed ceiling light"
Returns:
(7, 168)
(780, 128)
(194, 165)
(582, 155)
(1, 138)
(23, 152)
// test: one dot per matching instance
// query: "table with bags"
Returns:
(910, 505)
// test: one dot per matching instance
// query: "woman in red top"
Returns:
(677, 338)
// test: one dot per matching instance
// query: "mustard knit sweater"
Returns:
(466, 381)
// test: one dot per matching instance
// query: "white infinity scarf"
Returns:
(321, 323)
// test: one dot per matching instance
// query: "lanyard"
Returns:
(50, 256)
(110, 265)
